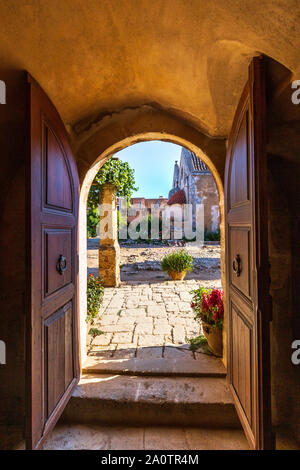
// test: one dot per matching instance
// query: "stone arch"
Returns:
(99, 142)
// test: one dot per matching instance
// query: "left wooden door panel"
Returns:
(58, 340)
(52, 324)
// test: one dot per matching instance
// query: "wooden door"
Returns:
(52, 333)
(248, 300)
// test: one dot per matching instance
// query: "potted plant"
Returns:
(176, 264)
(208, 307)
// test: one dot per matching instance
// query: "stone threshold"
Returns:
(144, 401)
(156, 361)
(101, 437)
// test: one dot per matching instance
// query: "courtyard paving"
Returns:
(147, 317)
(148, 314)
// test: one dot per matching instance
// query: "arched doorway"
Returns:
(234, 195)
(83, 199)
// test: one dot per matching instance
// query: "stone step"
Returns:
(99, 437)
(155, 361)
(143, 401)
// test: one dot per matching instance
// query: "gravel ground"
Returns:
(142, 262)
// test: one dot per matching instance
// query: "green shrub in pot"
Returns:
(176, 264)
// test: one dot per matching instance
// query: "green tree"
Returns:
(92, 221)
(116, 172)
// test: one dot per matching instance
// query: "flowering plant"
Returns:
(208, 306)
(95, 291)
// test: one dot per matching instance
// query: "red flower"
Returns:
(214, 297)
(205, 304)
(192, 305)
(212, 304)
(221, 309)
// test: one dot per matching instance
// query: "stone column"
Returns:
(109, 249)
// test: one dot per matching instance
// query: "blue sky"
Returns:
(153, 163)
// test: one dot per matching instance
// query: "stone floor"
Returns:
(95, 437)
(146, 314)
(147, 310)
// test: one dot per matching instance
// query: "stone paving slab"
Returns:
(150, 353)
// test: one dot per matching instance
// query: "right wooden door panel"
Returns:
(240, 268)
(241, 332)
(248, 302)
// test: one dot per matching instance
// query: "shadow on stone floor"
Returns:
(154, 360)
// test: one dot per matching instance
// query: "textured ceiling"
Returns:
(95, 57)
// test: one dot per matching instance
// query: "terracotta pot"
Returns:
(214, 338)
(176, 276)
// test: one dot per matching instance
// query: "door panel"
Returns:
(57, 177)
(248, 301)
(57, 241)
(58, 355)
(241, 360)
(240, 240)
(52, 326)
(239, 177)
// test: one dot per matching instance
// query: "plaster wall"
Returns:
(189, 58)
(284, 257)
(13, 252)
(284, 249)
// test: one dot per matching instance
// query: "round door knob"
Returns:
(236, 265)
(61, 264)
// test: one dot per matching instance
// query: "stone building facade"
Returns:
(194, 184)
(141, 203)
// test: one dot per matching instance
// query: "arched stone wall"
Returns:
(131, 125)
(120, 131)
